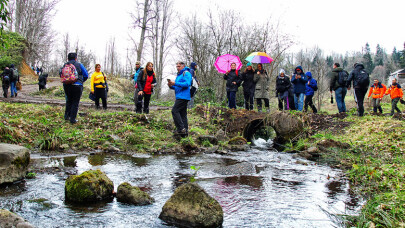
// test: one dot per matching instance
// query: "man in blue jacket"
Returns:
(181, 87)
(309, 92)
(299, 80)
(73, 92)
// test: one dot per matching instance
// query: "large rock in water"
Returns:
(90, 186)
(127, 193)
(191, 206)
(286, 125)
(11, 220)
(14, 161)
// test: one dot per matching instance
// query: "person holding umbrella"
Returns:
(262, 88)
(232, 83)
(249, 86)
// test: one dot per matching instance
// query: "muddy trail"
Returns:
(25, 96)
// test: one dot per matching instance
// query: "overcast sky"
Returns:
(335, 26)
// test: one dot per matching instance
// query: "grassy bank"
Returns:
(375, 166)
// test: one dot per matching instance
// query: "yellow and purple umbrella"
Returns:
(259, 57)
(223, 63)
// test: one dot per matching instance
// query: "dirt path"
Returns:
(24, 96)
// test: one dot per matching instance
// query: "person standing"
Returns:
(377, 92)
(361, 81)
(249, 86)
(310, 89)
(397, 94)
(138, 70)
(146, 83)
(299, 80)
(262, 88)
(13, 80)
(98, 86)
(73, 89)
(339, 83)
(181, 87)
(232, 83)
(42, 81)
(283, 85)
(195, 84)
(5, 79)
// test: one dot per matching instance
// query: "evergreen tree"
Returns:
(379, 56)
(368, 60)
(402, 58)
(329, 61)
(396, 56)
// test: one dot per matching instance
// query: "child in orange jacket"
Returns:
(396, 93)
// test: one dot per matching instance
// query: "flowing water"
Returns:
(281, 192)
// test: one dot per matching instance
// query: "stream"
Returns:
(282, 192)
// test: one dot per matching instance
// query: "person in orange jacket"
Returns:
(377, 90)
(397, 94)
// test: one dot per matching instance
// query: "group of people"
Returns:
(10, 77)
(341, 81)
(292, 91)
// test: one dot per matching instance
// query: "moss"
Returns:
(238, 140)
(91, 185)
(22, 162)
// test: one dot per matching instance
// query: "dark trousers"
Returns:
(5, 89)
(377, 105)
(291, 101)
(146, 99)
(100, 93)
(41, 87)
(360, 94)
(231, 95)
(308, 101)
(72, 94)
(394, 106)
(249, 99)
(259, 103)
(179, 113)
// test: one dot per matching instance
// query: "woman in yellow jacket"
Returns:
(98, 86)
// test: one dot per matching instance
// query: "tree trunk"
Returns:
(143, 30)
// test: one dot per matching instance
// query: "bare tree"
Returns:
(142, 19)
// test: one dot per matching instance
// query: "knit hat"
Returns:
(193, 65)
(138, 63)
(282, 71)
(249, 64)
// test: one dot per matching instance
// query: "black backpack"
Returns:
(343, 78)
(363, 79)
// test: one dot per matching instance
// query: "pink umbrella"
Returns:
(223, 63)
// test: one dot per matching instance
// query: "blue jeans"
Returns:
(340, 94)
(13, 88)
(299, 100)
(231, 95)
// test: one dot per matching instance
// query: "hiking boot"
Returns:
(74, 122)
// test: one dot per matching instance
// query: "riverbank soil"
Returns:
(371, 150)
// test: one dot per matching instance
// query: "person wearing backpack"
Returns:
(98, 87)
(181, 87)
(73, 74)
(194, 84)
(249, 86)
(232, 83)
(42, 81)
(13, 80)
(397, 94)
(5, 79)
(299, 80)
(138, 69)
(361, 81)
(146, 83)
(262, 81)
(339, 83)
(310, 89)
(377, 91)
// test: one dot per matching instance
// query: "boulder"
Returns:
(212, 139)
(191, 206)
(11, 220)
(14, 161)
(286, 125)
(90, 186)
(221, 136)
(127, 193)
(243, 168)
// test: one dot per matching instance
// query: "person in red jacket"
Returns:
(377, 91)
(146, 83)
(397, 94)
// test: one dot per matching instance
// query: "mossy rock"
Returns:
(239, 140)
(188, 144)
(191, 206)
(126, 193)
(90, 186)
